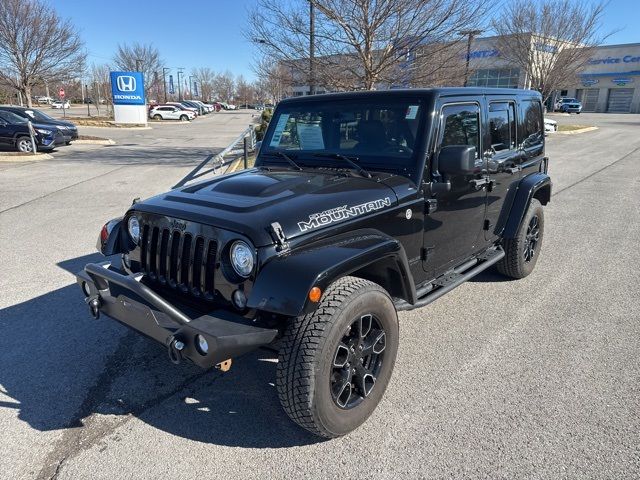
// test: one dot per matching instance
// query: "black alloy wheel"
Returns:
(531, 239)
(357, 361)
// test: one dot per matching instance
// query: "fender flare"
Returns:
(537, 185)
(283, 283)
(112, 244)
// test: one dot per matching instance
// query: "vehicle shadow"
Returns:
(60, 366)
(490, 275)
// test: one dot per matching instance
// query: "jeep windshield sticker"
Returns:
(310, 136)
(342, 213)
(412, 112)
(277, 134)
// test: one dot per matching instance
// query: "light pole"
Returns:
(138, 62)
(312, 34)
(180, 69)
(190, 86)
(164, 81)
(469, 34)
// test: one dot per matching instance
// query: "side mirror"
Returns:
(457, 160)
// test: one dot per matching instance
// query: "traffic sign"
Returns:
(61, 93)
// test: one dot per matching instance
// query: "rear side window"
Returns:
(532, 123)
(502, 126)
(460, 125)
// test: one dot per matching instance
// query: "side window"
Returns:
(502, 126)
(460, 125)
(531, 123)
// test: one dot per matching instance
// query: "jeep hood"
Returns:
(300, 201)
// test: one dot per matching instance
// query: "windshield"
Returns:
(38, 115)
(373, 133)
(568, 100)
(12, 117)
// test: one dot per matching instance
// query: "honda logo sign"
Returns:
(127, 88)
(126, 83)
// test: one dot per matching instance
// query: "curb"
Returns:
(106, 141)
(580, 130)
(235, 165)
(24, 158)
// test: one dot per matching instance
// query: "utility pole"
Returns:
(164, 81)
(179, 87)
(469, 34)
(190, 86)
(138, 62)
(312, 34)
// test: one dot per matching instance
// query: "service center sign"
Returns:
(127, 88)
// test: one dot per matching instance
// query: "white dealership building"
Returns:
(610, 82)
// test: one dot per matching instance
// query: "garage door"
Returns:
(590, 99)
(619, 100)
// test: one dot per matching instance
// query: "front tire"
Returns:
(522, 252)
(24, 145)
(335, 363)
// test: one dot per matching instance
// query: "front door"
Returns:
(454, 230)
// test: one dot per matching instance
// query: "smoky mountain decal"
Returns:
(342, 213)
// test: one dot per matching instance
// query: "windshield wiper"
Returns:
(281, 154)
(346, 159)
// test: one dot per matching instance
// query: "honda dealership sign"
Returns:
(127, 88)
(127, 91)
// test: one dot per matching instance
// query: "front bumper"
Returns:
(126, 299)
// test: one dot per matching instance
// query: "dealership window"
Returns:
(502, 125)
(498, 78)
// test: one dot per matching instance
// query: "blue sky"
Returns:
(208, 33)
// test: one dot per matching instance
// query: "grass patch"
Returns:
(571, 128)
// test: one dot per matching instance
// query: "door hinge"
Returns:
(431, 205)
(487, 225)
(424, 253)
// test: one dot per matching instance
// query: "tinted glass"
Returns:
(532, 123)
(11, 117)
(38, 115)
(502, 126)
(461, 126)
(373, 131)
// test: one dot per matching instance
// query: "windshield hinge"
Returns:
(275, 229)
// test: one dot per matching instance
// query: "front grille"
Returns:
(180, 260)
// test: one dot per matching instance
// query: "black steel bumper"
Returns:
(124, 298)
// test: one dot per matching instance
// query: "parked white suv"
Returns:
(169, 112)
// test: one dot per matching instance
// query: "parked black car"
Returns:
(360, 205)
(68, 129)
(14, 132)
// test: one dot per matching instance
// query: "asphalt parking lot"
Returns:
(537, 378)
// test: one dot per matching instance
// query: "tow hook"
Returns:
(175, 347)
(94, 307)
(224, 366)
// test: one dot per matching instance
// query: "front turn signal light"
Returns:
(314, 294)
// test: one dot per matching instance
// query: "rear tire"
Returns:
(522, 252)
(335, 363)
(24, 145)
(157, 117)
(184, 118)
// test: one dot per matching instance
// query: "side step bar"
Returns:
(451, 280)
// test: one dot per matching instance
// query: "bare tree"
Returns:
(550, 40)
(143, 58)
(224, 86)
(206, 79)
(360, 43)
(36, 46)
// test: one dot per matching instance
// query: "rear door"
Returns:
(454, 231)
(504, 158)
(6, 130)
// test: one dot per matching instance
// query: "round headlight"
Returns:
(134, 229)
(241, 258)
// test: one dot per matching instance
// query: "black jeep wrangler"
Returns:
(359, 205)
